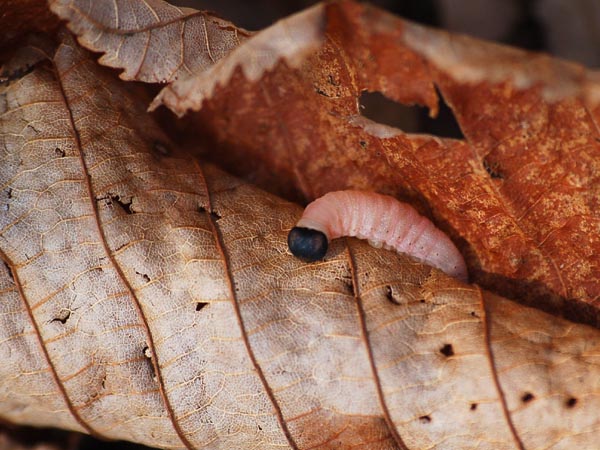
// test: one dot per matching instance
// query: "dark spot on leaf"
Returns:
(474, 314)
(571, 402)
(389, 294)
(59, 152)
(321, 92)
(527, 397)
(447, 350)
(63, 316)
(332, 81)
(161, 148)
(422, 300)
(200, 305)
(34, 129)
(215, 215)
(144, 276)
(10, 274)
(492, 168)
(201, 209)
(363, 144)
(9, 193)
(473, 406)
(410, 118)
(425, 419)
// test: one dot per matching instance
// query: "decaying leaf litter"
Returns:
(110, 248)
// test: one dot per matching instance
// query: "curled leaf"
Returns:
(146, 296)
(290, 40)
(151, 40)
(519, 192)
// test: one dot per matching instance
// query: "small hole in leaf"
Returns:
(493, 169)
(473, 406)
(527, 397)
(571, 402)
(148, 355)
(200, 305)
(62, 317)
(447, 350)
(410, 119)
(59, 152)
(201, 209)
(144, 276)
(215, 215)
(389, 294)
(125, 205)
(425, 419)
(10, 274)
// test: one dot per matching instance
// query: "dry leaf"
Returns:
(150, 297)
(151, 40)
(520, 194)
(289, 40)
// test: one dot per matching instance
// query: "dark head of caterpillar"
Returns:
(307, 244)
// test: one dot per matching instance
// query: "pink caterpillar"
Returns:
(381, 219)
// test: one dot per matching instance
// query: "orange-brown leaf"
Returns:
(290, 40)
(520, 193)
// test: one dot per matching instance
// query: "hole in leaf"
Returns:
(201, 209)
(425, 419)
(59, 152)
(493, 169)
(447, 350)
(9, 271)
(125, 206)
(148, 355)
(410, 119)
(527, 397)
(200, 305)
(215, 215)
(347, 284)
(62, 317)
(473, 406)
(571, 402)
(389, 294)
(144, 276)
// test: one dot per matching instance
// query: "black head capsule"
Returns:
(308, 244)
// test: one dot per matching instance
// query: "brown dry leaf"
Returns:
(520, 194)
(149, 297)
(289, 40)
(151, 40)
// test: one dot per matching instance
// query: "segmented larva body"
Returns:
(381, 219)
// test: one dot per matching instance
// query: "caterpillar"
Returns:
(382, 220)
